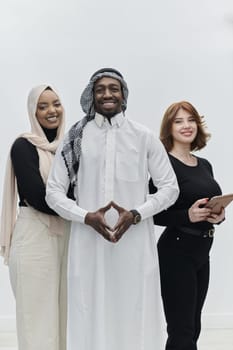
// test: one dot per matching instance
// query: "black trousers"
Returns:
(184, 274)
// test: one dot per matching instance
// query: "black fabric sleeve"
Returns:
(207, 164)
(31, 187)
(171, 216)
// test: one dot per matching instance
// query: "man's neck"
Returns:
(110, 117)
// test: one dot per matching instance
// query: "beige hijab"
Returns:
(46, 151)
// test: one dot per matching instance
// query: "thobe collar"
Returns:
(116, 120)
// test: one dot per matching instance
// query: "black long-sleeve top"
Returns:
(195, 182)
(25, 160)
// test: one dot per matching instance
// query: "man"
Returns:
(114, 293)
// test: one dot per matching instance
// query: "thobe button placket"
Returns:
(109, 165)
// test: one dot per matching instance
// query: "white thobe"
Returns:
(113, 288)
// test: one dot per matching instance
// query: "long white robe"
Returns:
(114, 290)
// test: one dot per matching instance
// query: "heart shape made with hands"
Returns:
(112, 214)
(111, 217)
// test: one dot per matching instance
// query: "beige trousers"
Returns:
(38, 274)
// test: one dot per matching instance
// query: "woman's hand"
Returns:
(216, 218)
(197, 212)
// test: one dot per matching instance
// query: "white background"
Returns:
(167, 51)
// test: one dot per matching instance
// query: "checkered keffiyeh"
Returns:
(73, 141)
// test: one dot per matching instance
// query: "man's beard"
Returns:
(109, 115)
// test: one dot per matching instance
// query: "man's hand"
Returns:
(97, 221)
(125, 220)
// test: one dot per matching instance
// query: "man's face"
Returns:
(108, 96)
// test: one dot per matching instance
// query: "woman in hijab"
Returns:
(34, 239)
